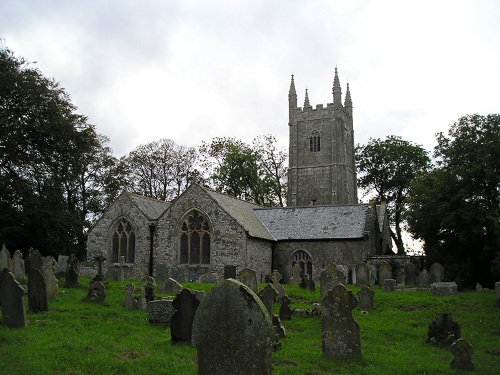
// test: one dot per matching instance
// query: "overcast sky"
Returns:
(194, 70)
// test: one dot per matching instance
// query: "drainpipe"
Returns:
(152, 227)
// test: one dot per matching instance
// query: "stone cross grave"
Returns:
(275, 279)
(248, 277)
(462, 351)
(362, 274)
(329, 279)
(384, 272)
(436, 273)
(341, 335)
(181, 324)
(100, 273)
(11, 295)
(18, 266)
(37, 292)
(51, 283)
(365, 296)
(268, 296)
(295, 279)
(232, 332)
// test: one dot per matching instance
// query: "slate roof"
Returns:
(243, 212)
(151, 207)
(316, 222)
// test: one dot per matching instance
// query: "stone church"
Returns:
(203, 231)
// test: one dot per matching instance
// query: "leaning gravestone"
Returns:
(329, 279)
(341, 335)
(436, 273)
(365, 296)
(129, 302)
(248, 277)
(232, 332)
(229, 272)
(362, 274)
(11, 295)
(384, 272)
(181, 325)
(443, 330)
(170, 286)
(410, 274)
(18, 266)
(275, 279)
(462, 351)
(424, 278)
(37, 292)
(5, 261)
(72, 272)
(51, 283)
(497, 292)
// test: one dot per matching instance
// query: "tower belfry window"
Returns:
(315, 142)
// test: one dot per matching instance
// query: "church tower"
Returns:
(321, 168)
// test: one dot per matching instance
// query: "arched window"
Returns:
(123, 242)
(303, 259)
(315, 142)
(195, 240)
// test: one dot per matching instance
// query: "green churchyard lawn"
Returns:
(79, 336)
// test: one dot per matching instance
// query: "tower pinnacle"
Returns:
(292, 96)
(337, 90)
(348, 101)
(306, 101)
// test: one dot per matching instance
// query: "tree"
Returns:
(388, 167)
(455, 209)
(255, 174)
(49, 173)
(161, 169)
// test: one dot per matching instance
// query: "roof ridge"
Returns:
(146, 197)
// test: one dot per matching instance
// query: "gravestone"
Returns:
(410, 274)
(179, 274)
(436, 273)
(160, 311)
(148, 285)
(275, 279)
(443, 330)
(97, 291)
(229, 272)
(248, 277)
(340, 332)
(308, 283)
(479, 287)
(232, 332)
(121, 269)
(72, 273)
(18, 266)
(100, 270)
(389, 285)
(462, 351)
(170, 286)
(373, 274)
(285, 310)
(345, 273)
(444, 289)
(5, 261)
(424, 278)
(365, 296)
(497, 292)
(181, 325)
(208, 278)
(37, 292)
(329, 279)
(35, 260)
(62, 265)
(295, 278)
(161, 272)
(362, 274)
(51, 283)
(268, 297)
(129, 302)
(11, 295)
(384, 272)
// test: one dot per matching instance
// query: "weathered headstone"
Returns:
(308, 283)
(18, 266)
(497, 292)
(229, 272)
(443, 330)
(179, 274)
(424, 278)
(341, 335)
(384, 272)
(5, 260)
(268, 297)
(161, 272)
(62, 266)
(365, 296)
(160, 311)
(462, 351)
(479, 287)
(329, 279)
(51, 283)
(444, 289)
(208, 278)
(100, 269)
(170, 286)
(97, 291)
(148, 286)
(295, 279)
(185, 306)
(129, 301)
(362, 274)
(410, 274)
(11, 295)
(275, 279)
(373, 274)
(389, 285)
(37, 292)
(35, 260)
(248, 277)
(232, 332)
(72, 273)
(285, 310)
(344, 270)
(436, 273)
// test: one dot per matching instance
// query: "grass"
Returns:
(78, 336)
